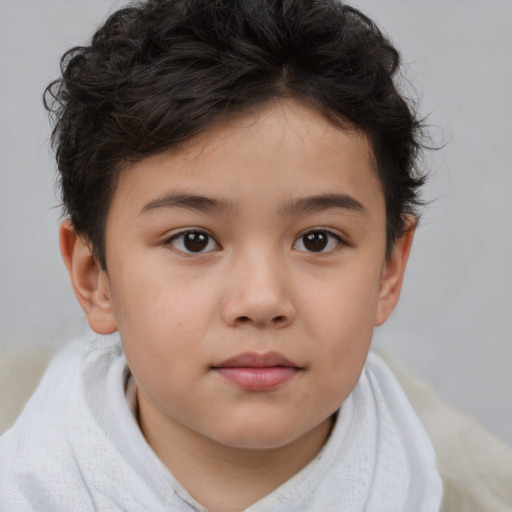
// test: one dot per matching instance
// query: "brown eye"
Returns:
(317, 241)
(193, 242)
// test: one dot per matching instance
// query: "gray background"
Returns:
(453, 325)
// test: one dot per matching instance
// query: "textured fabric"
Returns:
(78, 447)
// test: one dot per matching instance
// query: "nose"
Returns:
(258, 292)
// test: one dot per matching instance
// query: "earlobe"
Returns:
(89, 281)
(393, 274)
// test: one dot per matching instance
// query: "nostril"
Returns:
(280, 319)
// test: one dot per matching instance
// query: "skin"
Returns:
(256, 286)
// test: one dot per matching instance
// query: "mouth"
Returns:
(253, 371)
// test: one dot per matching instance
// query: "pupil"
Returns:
(315, 241)
(195, 242)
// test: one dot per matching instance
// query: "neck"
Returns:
(224, 478)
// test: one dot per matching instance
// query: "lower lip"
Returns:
(257, 379)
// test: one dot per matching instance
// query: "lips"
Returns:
(253, 371)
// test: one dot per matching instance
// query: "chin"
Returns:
(257, 441)
(258, 435)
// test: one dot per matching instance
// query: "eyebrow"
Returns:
(205, 204)
(188, 201)
(318, 203)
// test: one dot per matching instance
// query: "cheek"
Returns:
(159, 300)
(162, 343)
(161, 325)
(343, 307)
(341, 319)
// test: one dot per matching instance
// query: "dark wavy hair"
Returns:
(159, 72)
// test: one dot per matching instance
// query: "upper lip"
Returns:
(256, 360)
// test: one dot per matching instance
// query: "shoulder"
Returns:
(39, 449)
(475, 466)
(62, 381)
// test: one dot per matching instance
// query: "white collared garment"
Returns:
(77, 447)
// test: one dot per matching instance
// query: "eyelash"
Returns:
(205, 239)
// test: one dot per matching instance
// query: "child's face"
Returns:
(246, 271)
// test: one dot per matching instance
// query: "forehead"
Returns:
(276, 125)
(273, 153)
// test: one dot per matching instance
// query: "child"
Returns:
(240, 184)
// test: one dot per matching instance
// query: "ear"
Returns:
(90, 282)
(393, 273)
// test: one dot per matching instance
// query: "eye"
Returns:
(193, 241)
(318, 240)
